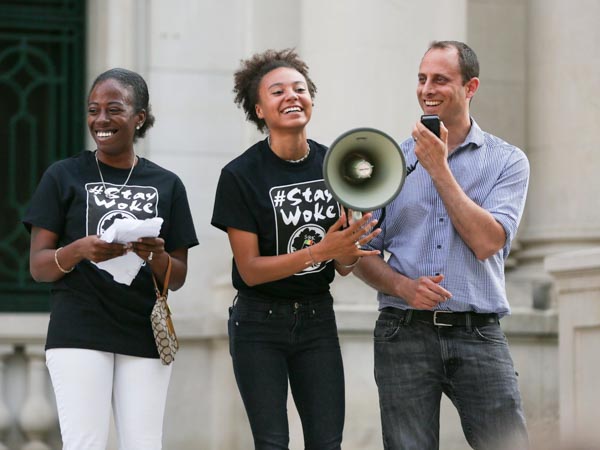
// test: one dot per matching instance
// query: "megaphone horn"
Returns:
(364, 169)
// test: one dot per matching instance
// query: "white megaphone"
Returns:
(364, 169)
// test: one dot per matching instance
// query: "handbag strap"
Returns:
(166, 283)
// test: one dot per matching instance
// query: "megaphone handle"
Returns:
(357, 215)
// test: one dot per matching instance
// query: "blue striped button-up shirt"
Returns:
(421, 240)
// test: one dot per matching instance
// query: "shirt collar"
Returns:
(474, 139)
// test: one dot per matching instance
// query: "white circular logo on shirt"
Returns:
(304, 237)
(109, 218)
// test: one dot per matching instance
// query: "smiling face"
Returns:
(284, 102)
(441, 89)
(111, 117)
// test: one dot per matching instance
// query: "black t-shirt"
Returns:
(88, 308)
(287, 205)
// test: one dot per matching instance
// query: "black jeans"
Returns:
(273, 342)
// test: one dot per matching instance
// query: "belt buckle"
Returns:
(438, 324)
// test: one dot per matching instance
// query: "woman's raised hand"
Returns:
(345, 238)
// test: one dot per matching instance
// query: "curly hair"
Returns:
(139, 89)
(247, 79)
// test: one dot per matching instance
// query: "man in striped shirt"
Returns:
(441, 292)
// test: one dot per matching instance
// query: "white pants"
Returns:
(86, 382)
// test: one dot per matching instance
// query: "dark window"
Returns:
(41, 120)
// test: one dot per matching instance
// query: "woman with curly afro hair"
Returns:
(288, 237)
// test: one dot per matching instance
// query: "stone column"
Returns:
(117, 37)
(364, 58)
(37, 416)
(577, 277)
(562, 127)
(6, 419)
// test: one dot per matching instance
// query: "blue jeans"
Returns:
(415, 362)
(273, 342)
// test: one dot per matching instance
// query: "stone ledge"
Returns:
(31, 328)
(210, 326)
(25, 328)
(528, 321)
(580, 260)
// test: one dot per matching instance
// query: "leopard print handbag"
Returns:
(162, 323)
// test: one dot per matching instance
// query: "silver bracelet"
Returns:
(349, 266)
(58, 264)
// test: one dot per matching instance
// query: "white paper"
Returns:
(125, 268)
